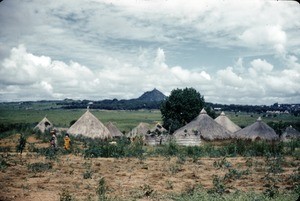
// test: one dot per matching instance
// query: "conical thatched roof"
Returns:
(141, 130)
(89, 126)
(290, 133)
(114, 131)
(224, 121)
(44, 125)
(157, 135)
(158, 129)
(202, 126)
(257, 131)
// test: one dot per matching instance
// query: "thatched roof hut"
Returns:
(44, 125)
(158, 129)
(141, 130)
(89, 126)
(224, 121)
(257, 131)
(114, 131)
(157, 135)
(290, 133)
(156, 139)
(202, 127)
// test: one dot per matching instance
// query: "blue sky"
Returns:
(232, 52)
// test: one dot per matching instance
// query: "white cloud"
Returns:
(57, 79)
(26, 76)
(264, 36)
(105, 49)
(229, 78)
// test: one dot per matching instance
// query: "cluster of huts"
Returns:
(202, 128)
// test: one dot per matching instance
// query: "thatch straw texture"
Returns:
(156, 140)
(114, 131)
(157, 135)
(203, 126)
(44, 125)
(290, 133)
(89, 126)
(158, 129)
(224, 121)
(257, 131)
(141, 130)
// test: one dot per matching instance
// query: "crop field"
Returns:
(125, 120)
(94, 170)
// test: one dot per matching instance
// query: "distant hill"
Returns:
(154, 95)
(148, 100)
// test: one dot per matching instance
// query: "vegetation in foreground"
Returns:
(268, 160)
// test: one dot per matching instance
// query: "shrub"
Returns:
(3, 164)
(219, 186)
(65, 196)
(87, 174)
(39, 167)
(101, 190)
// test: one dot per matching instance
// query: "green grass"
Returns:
(124, 120)
(244, 119)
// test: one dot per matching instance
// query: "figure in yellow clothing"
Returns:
(67, 142)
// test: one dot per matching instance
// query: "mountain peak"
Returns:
(154, 95)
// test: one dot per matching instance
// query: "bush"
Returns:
(3, 164)
(101, 190)
(39, 167)
(65, 196)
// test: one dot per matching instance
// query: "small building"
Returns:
(203, 127)
(114, 131)
(89, 126)
(257, 131)
(139, 131)
(289, 134)
(224, 121)
(44, 125)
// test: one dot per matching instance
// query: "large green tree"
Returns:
(181, 107)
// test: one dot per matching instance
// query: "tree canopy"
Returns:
(181, 107)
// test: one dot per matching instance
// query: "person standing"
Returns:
(67, 141)
(53, 140)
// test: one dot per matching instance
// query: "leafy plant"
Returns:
(219, 186)
(101, 190)
(65, 196)
(3, 164)
(87, 174)
(223, 163)
(39, 167)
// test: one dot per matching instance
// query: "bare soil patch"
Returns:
(153, 178)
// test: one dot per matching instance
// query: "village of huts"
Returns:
(202, 128)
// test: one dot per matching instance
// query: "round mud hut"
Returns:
(44, 125)
(202, 127)
(139, 131)
(289, 134)
(89, 126)
(114, 131)
(157, 136)
(257, 131)
(224, 121)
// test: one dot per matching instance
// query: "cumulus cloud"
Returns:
(43, 77)
(24, 76)
(118, 49)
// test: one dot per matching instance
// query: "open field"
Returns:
(32, 176)
(226, 171)
(124, 120)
